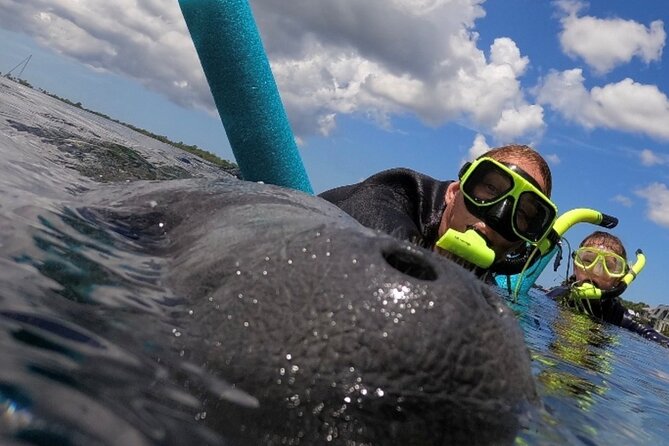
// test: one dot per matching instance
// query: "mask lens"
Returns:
(487, 183)
(615, 265)
(585, 258)
(533, 216)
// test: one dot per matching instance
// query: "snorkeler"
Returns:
(488, 220)
(601, 275)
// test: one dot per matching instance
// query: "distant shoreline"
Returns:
(226, 165)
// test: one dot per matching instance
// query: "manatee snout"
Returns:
(339, 333)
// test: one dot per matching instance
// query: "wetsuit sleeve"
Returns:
(400, 202)
(644, 330)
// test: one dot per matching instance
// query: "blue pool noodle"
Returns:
(240, 78)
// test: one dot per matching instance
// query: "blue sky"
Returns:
(424, 84)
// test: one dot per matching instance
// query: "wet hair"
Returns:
(506, 153)
(606, 240)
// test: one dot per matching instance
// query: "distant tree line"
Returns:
(194, 149)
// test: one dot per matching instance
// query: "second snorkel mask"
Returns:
(510, 202)
(590, 291)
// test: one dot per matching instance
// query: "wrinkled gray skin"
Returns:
(326, 330)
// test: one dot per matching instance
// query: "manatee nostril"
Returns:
(410, 264)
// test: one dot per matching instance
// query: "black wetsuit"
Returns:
(401, 202)
(612, 310)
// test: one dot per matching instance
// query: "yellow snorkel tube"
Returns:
(565, 221)
(590, 291)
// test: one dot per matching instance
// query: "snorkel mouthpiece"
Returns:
(468, 245)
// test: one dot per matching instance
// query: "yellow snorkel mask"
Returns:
(588, 258)
(507, 199)
(590, 291)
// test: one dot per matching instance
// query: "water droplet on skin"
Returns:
(355, 261)
(239, 273)
(289, 356)
(379, 392)
(327, 254)
(266, 259)
(153, 203)
(290, 262)
(246, 324)
(161, 225)
(294, 369)
(347, 399)
(190, 312)
(264, 273)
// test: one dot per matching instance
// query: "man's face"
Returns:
(457, 216)
(596, 275)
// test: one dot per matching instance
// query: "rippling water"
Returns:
(87, 330)
(599, 384)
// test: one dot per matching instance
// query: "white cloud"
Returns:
(650, 158)
(657, 199)
(622, 199)
(553, 158)
(377, 58)
(625, 105)
(479, 147)
(606, 43)
(146, 41)
(524, 120)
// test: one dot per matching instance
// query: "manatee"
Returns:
(210, 310)
(324, 331)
